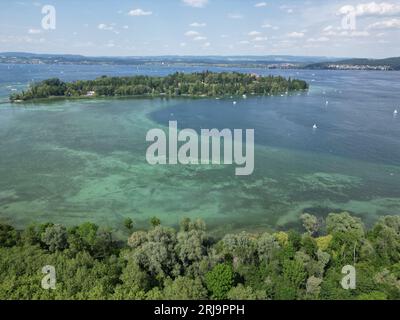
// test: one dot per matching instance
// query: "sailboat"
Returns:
(315, 127)
(395, 112)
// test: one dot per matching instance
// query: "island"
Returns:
(201, 84)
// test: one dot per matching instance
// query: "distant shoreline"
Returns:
(268, 62)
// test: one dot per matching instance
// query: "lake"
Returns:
(84, 160)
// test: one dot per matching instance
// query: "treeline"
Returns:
(164, 263)
(208, 84)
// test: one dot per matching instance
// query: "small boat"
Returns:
(234, 103)
(327, 102)
(315, 127)
(244, 96)
(395, 112)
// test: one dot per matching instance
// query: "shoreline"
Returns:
(194, 97)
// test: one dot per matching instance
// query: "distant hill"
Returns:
(271, 61)
(359, 64)
(280, 61)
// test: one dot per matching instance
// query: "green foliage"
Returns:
(155, 222)
(55, 238)
(8, 236)
(310, 223)
(178, 84)
(128, 224)
(184, 288)
(220, 281)
(245, 293)
(163, 263)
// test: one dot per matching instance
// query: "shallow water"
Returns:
(75, 161)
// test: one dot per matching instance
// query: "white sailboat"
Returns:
(315, 127)
(395, 112)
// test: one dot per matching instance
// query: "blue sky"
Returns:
(204, 27)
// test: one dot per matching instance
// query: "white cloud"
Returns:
(207, 44)
(269, 26)
(183, 44)
(244, 42)
(388, 24)
(235, 16)
(34, 31)
(200, 38)
(198, 24)
(354, 34)
(103, 26)
(371, 9)
(258, 39)
(296, 35)
(260, 4)
(254, 33)
(196, 3)
(192, 34)
(139, 12)
(320, 39)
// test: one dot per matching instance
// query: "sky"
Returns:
(202, 27)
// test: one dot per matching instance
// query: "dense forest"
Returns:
(164, 263)
(208, 84)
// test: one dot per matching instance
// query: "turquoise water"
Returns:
(75, 161)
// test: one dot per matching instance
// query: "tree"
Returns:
(313, 287)
(240, 292)
(155, 222)
(292, 280)
(31, 235)
(191, 244)
(83, 237)
(184, 288)
(128, 224)
(386, 238)
(55, 238)
(294, 273)
(220, 280)
(310, 223)
(267, 247)
(8, 236)
(348, 235)
(343, 223)
(241, 247)
(374, 295)
(137, 239)
(157, 254)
